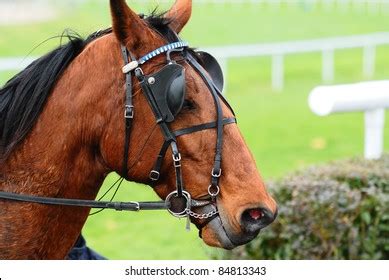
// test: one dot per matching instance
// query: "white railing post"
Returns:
(278, 72)
(374, 133)
(328, 66)
(369, 61)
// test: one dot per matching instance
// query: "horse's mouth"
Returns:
(216, 234)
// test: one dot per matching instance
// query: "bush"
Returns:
(336, 211)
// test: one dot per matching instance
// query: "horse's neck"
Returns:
(63, 147)
(59, 158)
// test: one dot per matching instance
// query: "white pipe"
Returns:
(364, 96)
(370, 97)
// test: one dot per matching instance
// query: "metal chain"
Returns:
(201, 216)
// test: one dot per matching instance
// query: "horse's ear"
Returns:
(127, 26)
(179, 14)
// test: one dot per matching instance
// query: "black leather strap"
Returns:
(216, 172)
(128, 113)
(155, 173)
(167, 133)
(177, 168)
(202, 127)
(119, 206)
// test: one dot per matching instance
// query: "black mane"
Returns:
(23, 97)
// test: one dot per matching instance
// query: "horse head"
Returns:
(242, 203)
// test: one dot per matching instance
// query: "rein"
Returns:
(179, 203)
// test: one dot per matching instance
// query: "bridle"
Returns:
(165, 93)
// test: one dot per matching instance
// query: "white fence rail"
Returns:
(344, 6)
(327, 46)
(278, 51)
(369, 97)
(277, 2)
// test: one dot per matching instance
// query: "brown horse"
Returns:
(62, 132)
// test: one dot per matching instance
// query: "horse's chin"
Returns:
(215, 234)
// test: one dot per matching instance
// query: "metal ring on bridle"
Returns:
(216, 175)
(213, 194)
(183, 213)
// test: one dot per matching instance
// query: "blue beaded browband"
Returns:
(134, 64)
(172, 46)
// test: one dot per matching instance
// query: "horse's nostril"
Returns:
(253, 220)
(255, 214)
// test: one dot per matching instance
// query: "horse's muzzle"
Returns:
(253, 220)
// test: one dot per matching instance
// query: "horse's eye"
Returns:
(188, 105)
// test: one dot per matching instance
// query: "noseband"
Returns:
(165, 93)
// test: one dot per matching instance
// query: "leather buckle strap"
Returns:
(154, 175)
(216, 175)
(177, 160)
(129, 112)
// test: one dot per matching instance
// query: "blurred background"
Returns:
(268, 90)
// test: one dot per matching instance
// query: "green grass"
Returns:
(279, 128)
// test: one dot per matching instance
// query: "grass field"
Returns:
(279, 128)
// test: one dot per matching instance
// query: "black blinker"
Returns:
(167, 88)
(210, 64)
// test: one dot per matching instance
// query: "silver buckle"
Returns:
(154, 175)
(137, 205)
(129, 112)
(216, 175)
(177, 160)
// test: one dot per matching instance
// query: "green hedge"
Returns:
(335, 211)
